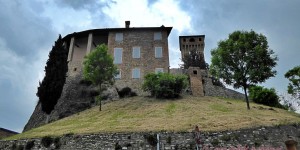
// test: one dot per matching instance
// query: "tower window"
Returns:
(192, 40)
(200, 39)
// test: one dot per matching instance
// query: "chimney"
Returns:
(127, 23)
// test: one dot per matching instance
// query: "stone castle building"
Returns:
(192, 42)
(136, 51)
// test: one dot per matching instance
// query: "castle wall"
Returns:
(146, 63)
(269, 137)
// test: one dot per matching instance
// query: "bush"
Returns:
(126, 92)
(46, 141)
(151, 139)
(264, 96)
(164, 85)
(29, 145)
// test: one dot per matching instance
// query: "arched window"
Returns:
(192, 40)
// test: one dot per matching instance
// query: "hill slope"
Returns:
(146, 114)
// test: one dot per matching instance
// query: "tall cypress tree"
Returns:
(50, 89)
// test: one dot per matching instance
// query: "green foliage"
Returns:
(98, 67)
(57, 142)
(242, 60)
(29, 145)
(264, 96)
(293, 76)
(215, 142)
(47, 141)
(169, 139)
(164, 85)
(50, 89)
(194, 59)
(151, 139)
(126, 92)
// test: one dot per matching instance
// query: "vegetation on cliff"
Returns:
(50, 89)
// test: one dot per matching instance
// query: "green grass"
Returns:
(140, 114)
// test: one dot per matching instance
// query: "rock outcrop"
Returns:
(77, 95)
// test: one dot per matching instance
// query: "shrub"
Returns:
(264, 96)
(126, 92)
(57, 142)
(164, 85)
(118, 146)
(46, 141)
(151, 139)
(29, 145)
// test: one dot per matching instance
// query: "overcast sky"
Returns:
(28, 30)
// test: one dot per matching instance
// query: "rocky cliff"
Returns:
(77, 95)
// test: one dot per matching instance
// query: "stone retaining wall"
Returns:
(255, 137)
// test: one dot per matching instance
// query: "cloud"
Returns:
(25, 41)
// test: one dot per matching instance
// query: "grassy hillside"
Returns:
(147, 114)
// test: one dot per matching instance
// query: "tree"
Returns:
(194, 59)
(165, 85)
(242, 60)
(265, 96)
(50, 89)
(293, 76)
(98, 68)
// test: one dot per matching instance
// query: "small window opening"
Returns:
(184, 40)
(195, 71)
(74, 69)
(200, 39)
(192, 40)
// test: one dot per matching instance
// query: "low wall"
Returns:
(255, 137)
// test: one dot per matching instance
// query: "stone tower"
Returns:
(192, 42)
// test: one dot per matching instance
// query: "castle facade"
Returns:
(136, 51)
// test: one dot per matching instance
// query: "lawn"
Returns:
(142, 114)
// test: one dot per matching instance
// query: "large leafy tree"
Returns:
(194, 59)
(99, 68)
(50, 89)
(242, 60)
(293, 76)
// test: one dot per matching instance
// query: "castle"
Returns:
(136, 51)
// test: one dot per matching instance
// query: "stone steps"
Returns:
(196, 86)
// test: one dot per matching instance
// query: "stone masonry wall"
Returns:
(255, 137)
(147, 61)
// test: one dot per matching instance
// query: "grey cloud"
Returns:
(23, 31)
(91, 5)
(24, 35)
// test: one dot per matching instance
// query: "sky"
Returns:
(28, 30)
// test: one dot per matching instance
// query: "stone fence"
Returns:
(255, 137)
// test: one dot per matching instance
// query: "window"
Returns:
(119, 37)
(158, 70)
(157, 36)
(136, 73)
(118, 75)
(118, 55)
(192, 40)
(158, 52)
(136, 52)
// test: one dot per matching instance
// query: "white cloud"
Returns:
(162, 12)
